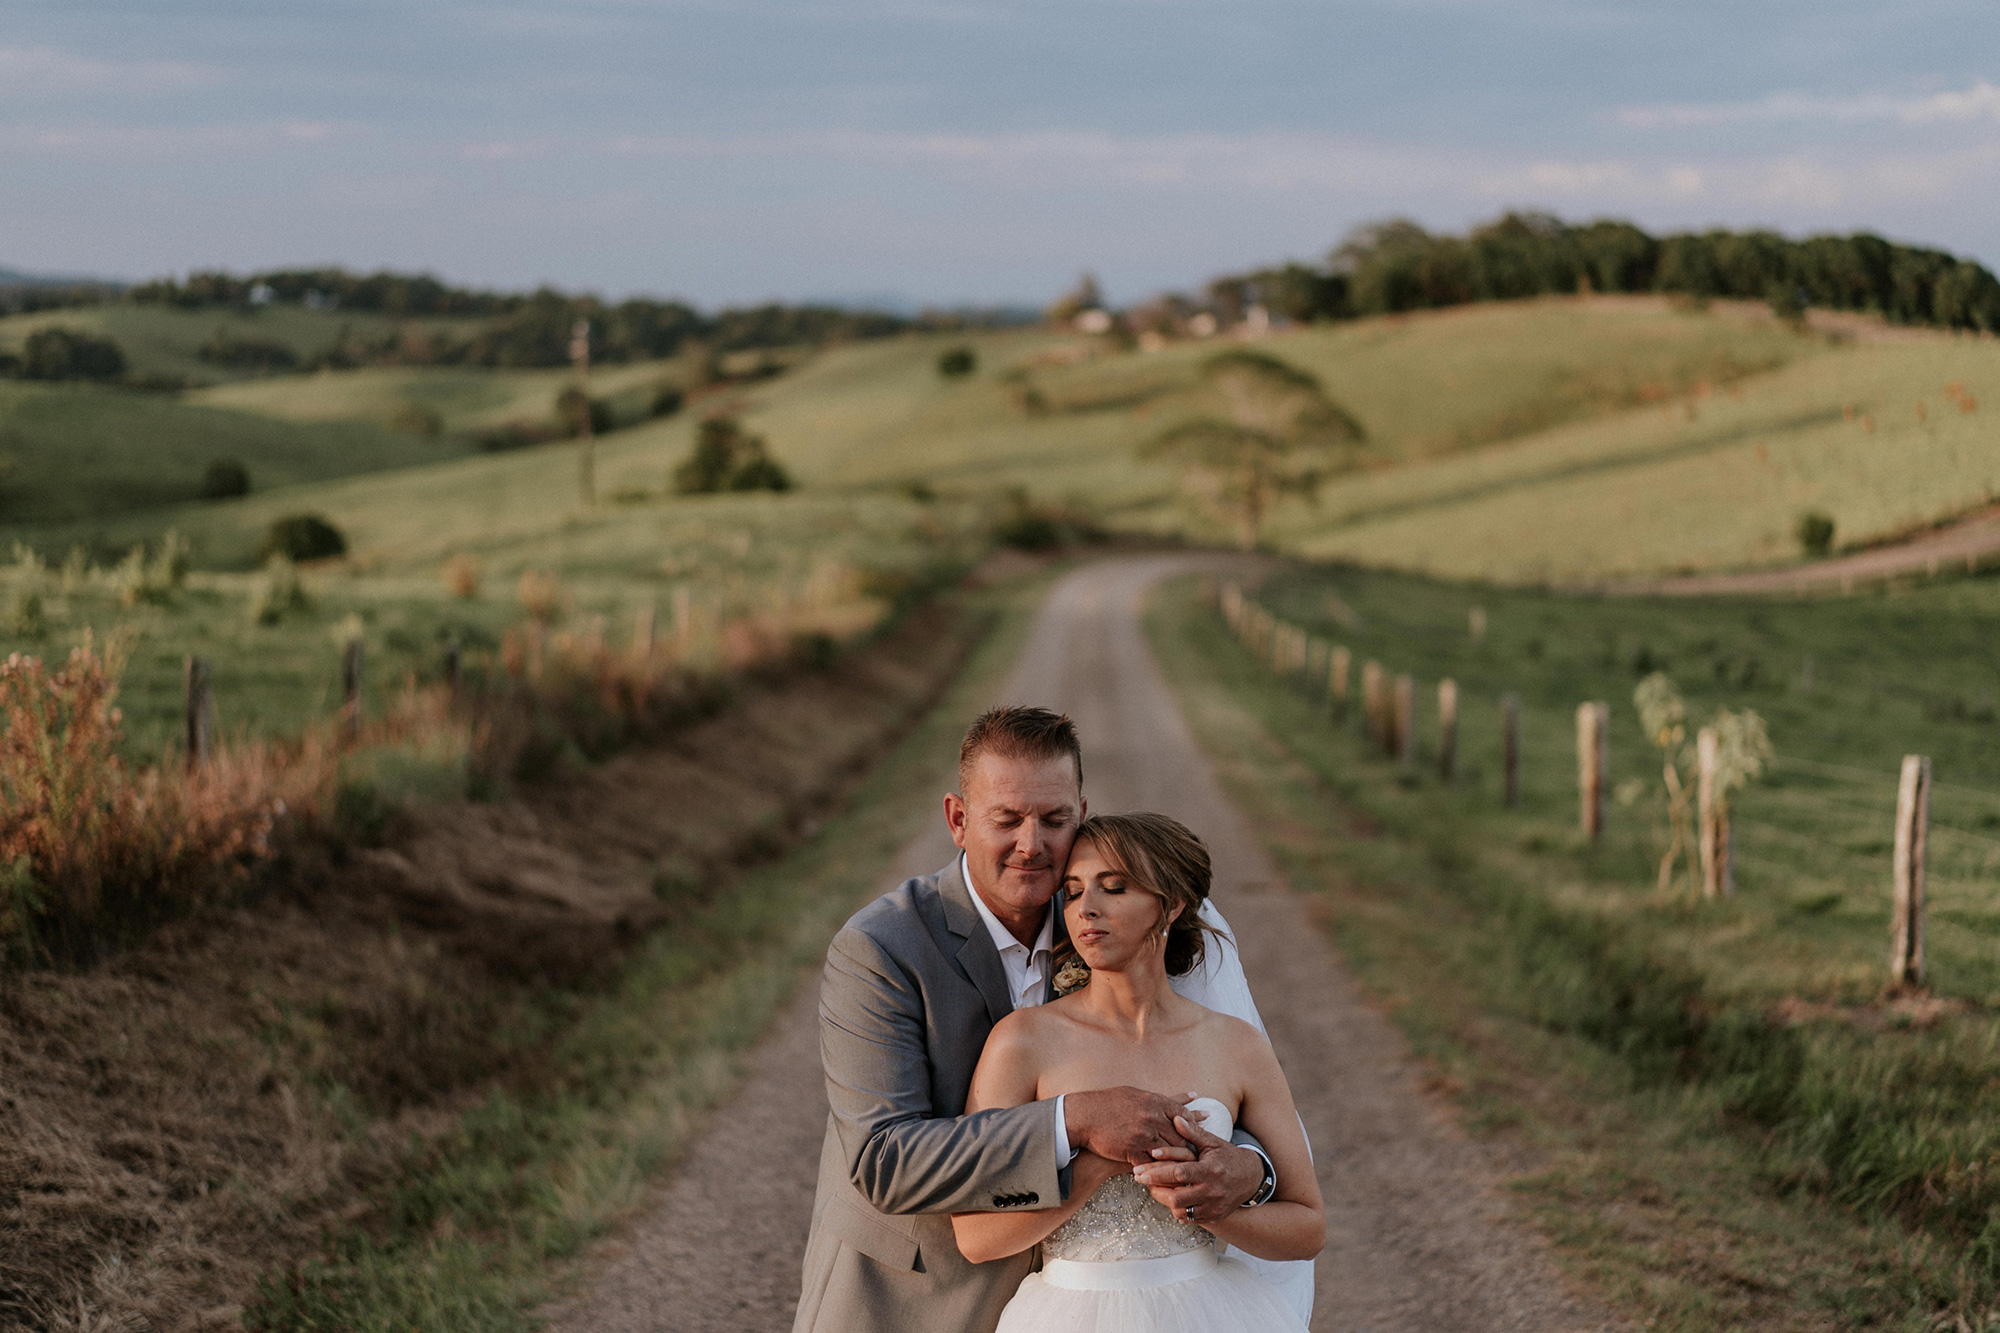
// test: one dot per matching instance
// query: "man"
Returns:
(913, 984)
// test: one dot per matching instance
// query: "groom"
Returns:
(913, 984)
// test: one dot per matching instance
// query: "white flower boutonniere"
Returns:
(1073, 976)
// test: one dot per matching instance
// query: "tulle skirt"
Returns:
(1196, 1292)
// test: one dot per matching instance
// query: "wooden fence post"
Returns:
(1593, 754)
(351, 661)
(1405, 747)
(1913, 819)
(1715, 839)
(453, 666)
(1315, 668)
(1448, 730)
(1336, 686)
(200, 719)
(1510, 746)
(1371, 699)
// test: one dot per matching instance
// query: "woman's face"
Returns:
(1111, 920)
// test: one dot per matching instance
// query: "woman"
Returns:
(1115, 1261)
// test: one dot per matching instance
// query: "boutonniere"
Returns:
(1072, 976)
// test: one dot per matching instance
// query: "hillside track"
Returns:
(1419, 1238)
(1961, 545)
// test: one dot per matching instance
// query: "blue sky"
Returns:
(944, 152)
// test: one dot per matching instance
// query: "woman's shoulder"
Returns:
(1024, 1025)
(1230, 1033)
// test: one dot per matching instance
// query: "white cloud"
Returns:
(101, 140)
(1979, 102)
(42, 70)
(1788, 182)
(1269, 161)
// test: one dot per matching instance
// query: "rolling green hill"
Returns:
(87, 457)
(160, 341)
(1540, 441)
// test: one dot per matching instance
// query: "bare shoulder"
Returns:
(1020, 1031)
(1248, 1049)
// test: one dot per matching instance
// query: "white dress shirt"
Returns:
(1028, 971)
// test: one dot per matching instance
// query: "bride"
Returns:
(1116, 1261)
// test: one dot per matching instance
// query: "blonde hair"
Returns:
(1162, 856)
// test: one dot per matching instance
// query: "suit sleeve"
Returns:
(899, 1152)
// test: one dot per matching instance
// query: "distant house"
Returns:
(1096, 320)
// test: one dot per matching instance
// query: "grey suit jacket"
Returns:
(913, 984)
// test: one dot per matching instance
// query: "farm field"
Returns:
(1718, 1111)
(166, 342)
(1478, 421)
(1847, 687)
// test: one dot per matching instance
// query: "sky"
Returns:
(945, 151)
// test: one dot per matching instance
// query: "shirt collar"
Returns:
(1003, 938)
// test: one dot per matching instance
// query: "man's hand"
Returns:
(1210, 1188)
(1126, 1124)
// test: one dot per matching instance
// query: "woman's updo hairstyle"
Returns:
(1164, 858)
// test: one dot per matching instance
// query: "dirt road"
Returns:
(1417, 1238)
(1964, 545)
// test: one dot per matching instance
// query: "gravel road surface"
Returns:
(1418, 1238)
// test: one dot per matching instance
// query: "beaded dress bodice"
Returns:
(1122, 1221)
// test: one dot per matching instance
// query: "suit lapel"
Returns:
(977, 956)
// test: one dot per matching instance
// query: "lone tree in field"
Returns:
(725, 457)
(1271, 431)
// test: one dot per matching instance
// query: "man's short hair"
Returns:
(1014, 731)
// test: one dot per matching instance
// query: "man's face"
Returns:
(1015, 821)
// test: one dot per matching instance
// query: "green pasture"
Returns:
(1504, 440)
(164, 341)
(1702, 484)
(731, 554)
(1847, 686)
(465, 398)
(96, 460)
(1706, 1137)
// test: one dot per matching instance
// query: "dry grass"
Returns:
(87, 840)
(204, 1108)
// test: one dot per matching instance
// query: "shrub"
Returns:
(268, 354)
(152, 578)
(541, 595)
(726, 458)
(571, 406)
(1815, 533)
(82, 838)
(667, 400)
(512, 435)
(302, 537)
(69, 354)
(417, 419)
(957, 362)
(277, 592)
(225, 479)
(461, 576)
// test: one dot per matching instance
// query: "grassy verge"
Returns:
(1700, 1164)
(462, 1235)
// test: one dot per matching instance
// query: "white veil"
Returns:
(1219, 984)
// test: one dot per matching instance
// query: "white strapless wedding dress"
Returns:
(1124, 1264)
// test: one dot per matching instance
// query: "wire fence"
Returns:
(1934, 846)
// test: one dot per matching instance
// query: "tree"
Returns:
(66, 354)
(957, 362)
(727, 458)
(1084, 296)
(1272, 431)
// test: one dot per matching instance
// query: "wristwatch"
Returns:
(1270, 1185)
